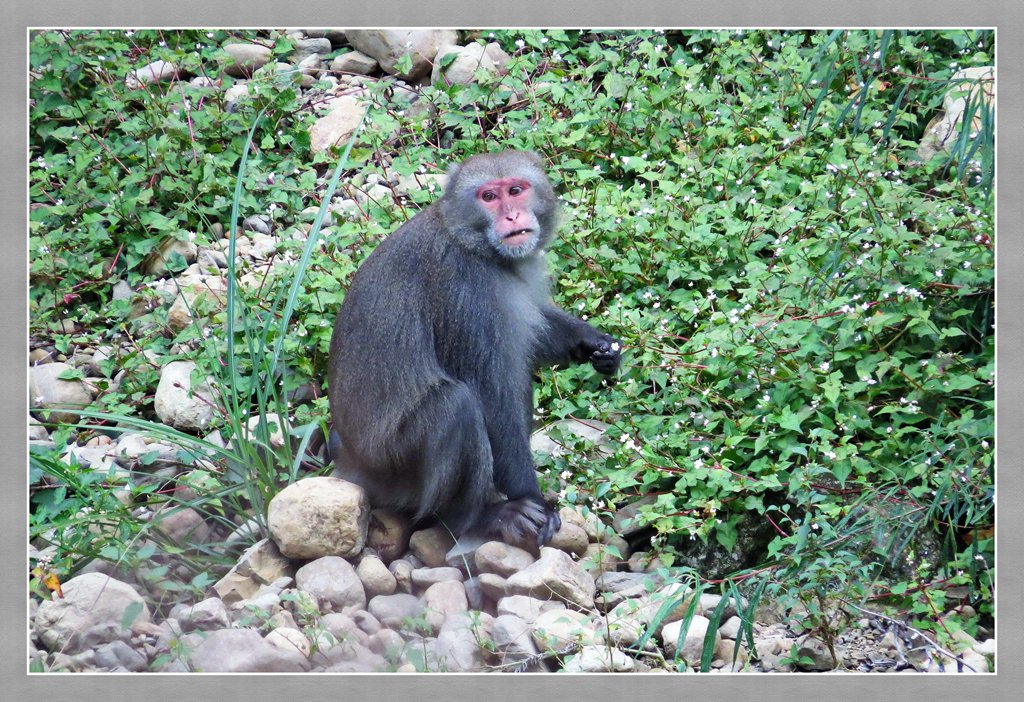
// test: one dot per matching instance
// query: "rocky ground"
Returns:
(357, 592)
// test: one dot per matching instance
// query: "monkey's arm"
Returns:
(567, 339)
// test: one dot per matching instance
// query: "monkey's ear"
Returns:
(453, 173)
(535, 158)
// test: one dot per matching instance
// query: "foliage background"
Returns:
(807, 308)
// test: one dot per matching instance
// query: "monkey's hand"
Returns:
(516, 521)
(603, 353)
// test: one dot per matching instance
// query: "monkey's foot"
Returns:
(516, 521)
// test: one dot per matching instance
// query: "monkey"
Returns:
(433, 352)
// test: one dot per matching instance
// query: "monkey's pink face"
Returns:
(509, 201)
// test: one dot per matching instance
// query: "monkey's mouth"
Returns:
(517, 237)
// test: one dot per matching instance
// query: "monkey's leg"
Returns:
(445, 441)
(524, 516)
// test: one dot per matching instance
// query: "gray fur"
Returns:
(432, 357)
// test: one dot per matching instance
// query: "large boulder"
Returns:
(387, 46)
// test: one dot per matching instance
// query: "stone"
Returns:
(402, 570)
(180, 405)
(443, 599)
(170, 248)
(468, 61)
(570, 538)
(48, 393)
(693, 642)
(288, 639)
(431, 545)
(549, 439)
(731, 628)
(555, 574)
(92, 612)
(340, 122)
(303, 49)
(183, 526)
(423, 578)
(391, 610)
(155, 72)
(502, 559)
(244, 59)
(243, 651)
(813, 655)
(355, 62)
(319, 516)
(942, 131)
(388, 534)
(207, 615)
(118, 654)
(375, 576)
(556, 629)
(260, 565)
(513, 642)
(387, 46)
(526, 608)
(599, 659)
(332, 580)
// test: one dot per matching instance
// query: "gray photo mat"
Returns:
(1005, 16)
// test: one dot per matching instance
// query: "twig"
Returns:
(940, 649)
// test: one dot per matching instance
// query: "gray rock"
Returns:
(183, 526)
(180, 405)
(306, 48)
(338, 125)
(468, 60)
(502, 559)
(693, 643)
(333, 580)
(387, 46)
(243, 651)
(457, 647)
(526, 608)
(170, 248)
(443, 599)
(555, 574)
(557, 628)
(355, 62)
(208, 615)
(92, 612)
(592, 431)
(118, 654)
(493, 586)
(288, 639)
(599, 659)
(260, 565)
(813, 655)
(155, 72)
(423, 578)
(244, 59)
(319, 516)
(513, 641)
(431, 545)
(943, 130)
(48, 392)
(402, 570)
(570, 538)
(391, 610)
(375, 576)
(731, 628)
(353, 658)
(388, 534)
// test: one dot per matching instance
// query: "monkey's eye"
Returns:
(487, 196)
(515, 190)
